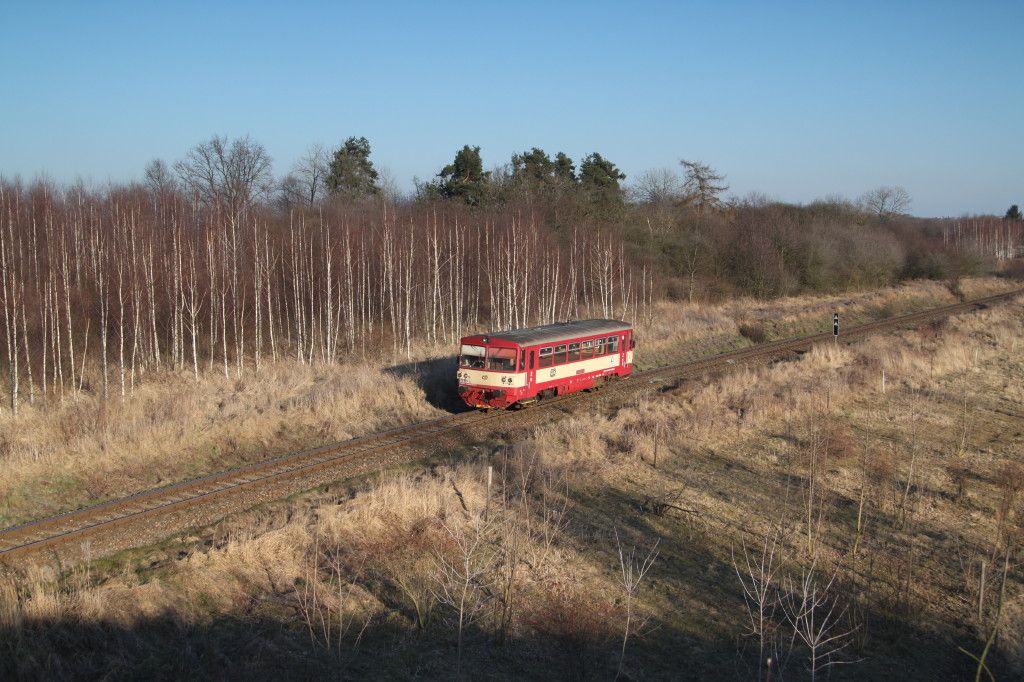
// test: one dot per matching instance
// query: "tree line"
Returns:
(99, 288)
(240, 171)
(212, 264)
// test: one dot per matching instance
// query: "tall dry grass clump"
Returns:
(66, 455)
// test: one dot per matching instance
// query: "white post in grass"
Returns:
(490, 480)
(981, 592)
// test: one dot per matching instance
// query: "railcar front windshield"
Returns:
(501, 359)
(472, 356)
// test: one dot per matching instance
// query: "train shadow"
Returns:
(437, 379)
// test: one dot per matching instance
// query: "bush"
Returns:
(881, 311)
(754, 331)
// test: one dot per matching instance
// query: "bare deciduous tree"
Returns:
(886, 202)
(159, 178)
(463, 576)
(658, 186)
(874, 469)
(389, 187)
(324, 600)
(815, 458)
(228, 171)
(633, 569)
(290, 193)
(310, 173)
(702, 185)
(758, 576)
(692, 252)
(817, 618)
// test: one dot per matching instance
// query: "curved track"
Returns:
(160, 512)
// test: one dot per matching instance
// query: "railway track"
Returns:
(161, 512)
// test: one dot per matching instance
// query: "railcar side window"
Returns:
(599, 347)
(472, 357)
(613, 344)
(574, 352)
(522, 360)
(501, 359)
(546, 358)
(586, 350)
(560, 355)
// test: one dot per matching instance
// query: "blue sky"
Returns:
(794, 100)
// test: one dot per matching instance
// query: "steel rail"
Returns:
(78, 525)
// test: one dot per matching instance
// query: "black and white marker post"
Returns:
(835, 327)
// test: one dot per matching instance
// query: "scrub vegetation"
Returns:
(61, 455)
(875, 487)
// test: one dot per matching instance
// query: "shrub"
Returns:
(755, 331)
(881, 311)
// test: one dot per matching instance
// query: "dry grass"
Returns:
(733, 458)
(355, 586)
(678, 331)
(58, 456)
(62, 456)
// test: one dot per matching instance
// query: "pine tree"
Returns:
(599, 179)
(351, 172)
(534, 166)
(465, 178)
(565, 169)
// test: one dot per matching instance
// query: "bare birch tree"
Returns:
(817, 617)
(633, 569)
(462, 576)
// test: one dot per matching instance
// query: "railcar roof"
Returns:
(550, 333)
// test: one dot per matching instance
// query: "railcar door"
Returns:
(531, 368)
(623, 347)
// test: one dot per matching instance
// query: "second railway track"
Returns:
(154, 514)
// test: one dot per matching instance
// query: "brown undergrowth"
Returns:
(817, 484)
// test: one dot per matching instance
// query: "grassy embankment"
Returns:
(794, 453)
(62, 456)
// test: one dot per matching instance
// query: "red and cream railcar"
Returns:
(520, 366)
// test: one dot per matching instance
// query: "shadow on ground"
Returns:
(267, 639)
(255, 646)
(437, 379)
